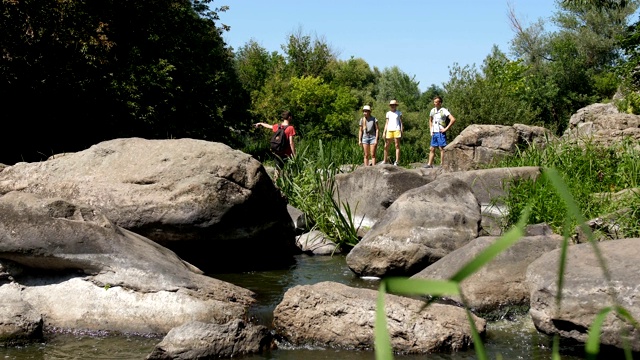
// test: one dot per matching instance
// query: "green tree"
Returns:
(356, 75)
(307, 56)
(395, 84)
(254, 64)
(91, 71)
(264, 76)
(320, 110)
(573, 66)
(425, 103)
(497, 94)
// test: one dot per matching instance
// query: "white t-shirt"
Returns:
(438, 119)
(393, 120)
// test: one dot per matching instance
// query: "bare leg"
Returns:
(397, 141)
(365, 148)
(432, 153)
(373, 154)
(386, 150)
(441, 156)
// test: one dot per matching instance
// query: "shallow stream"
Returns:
(509, 339)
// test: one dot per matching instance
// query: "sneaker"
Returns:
(395, 163)
(428, 166)
(382, 162)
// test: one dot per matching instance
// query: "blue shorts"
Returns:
(439, 140)
(368, 139)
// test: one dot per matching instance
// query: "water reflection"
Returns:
(270, 286)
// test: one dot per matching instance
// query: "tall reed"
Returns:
(308, 181)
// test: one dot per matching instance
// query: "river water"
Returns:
(506, 339)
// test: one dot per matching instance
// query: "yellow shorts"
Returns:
(397, 134)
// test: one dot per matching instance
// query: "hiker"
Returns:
(392, 130)
(288, 148)
(368, 135)
(440, 120)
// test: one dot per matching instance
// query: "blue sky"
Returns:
(422, 37)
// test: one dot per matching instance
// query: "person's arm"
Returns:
(263, 125)
(401, 127)
(293, 145)
(384, 131)
(451, 121)
(360, 133)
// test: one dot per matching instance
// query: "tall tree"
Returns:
(575, 65)
(77, 72)
(396, 84)
(307, 56)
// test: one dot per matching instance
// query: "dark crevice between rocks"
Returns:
(568, 326)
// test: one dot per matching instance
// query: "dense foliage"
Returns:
(548, 76)
(77, 72)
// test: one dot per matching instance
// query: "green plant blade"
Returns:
(382, 343)
(404, 286)
(592, 347)
(494, 249)
(477, 341)
(624, 313)
(555, 350)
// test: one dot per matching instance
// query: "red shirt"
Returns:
(289, 131)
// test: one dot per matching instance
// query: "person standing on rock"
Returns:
(440, 120)
(368, 135)
(392, 131)
(289, 150)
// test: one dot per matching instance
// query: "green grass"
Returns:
(346, 151)
(592, 174)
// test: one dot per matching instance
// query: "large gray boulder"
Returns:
(586, 291)
(420, 227)
(500, 283)
(330, 314)
(602, 124)
(81, 271)
(479, 145)
(214, 206)
(490, 186)
(370, 190)
(198, 340)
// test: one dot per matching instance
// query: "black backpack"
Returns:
(279, 140)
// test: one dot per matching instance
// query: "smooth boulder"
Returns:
(420, 227)
(331, 314)
(213, 205)
(368, 191)
(500, 283)
(478, 145)
(198, 340)
(80, 271)
(586, 291)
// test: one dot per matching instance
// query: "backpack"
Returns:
(279, 140)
